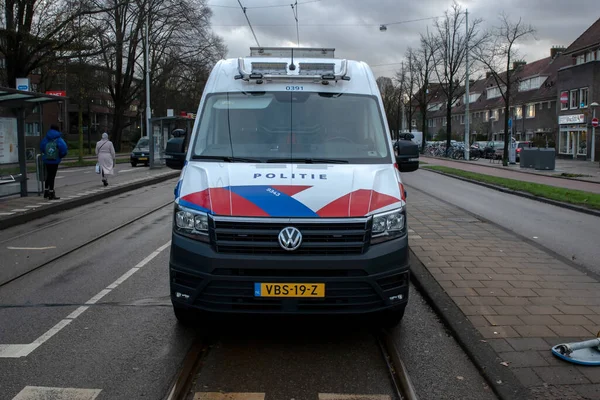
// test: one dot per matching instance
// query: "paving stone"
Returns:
(542, 310)
(519, 359)
(574, 310)
(484, 301)
(520, 292)
(478, 320)
(490, 292)
(447, 277)
(561, 375)
(496, 284)
(460, 292)
(477, 310)
(515, 301)
(461, 301)
(525, 284)
(527, 377)
(546, 301)
(524, 344)
(499, 345)
(469, 284)
(538, 320)
(510, 310)
(591, 392)
(566, 330)
(490, 332)
(572, 320)
(535, 331)
(504, 320)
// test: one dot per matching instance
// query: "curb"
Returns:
(556, 203)
(515, 170)
(501, 379)
(20, 219)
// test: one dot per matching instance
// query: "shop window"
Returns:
(519, 112)
(573, 99)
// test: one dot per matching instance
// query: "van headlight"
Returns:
(191, 223)
(388, 225)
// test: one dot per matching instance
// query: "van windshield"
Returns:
(299, 126)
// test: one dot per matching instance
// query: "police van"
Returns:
(290, 198)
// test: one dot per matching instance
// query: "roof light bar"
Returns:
(318, 72)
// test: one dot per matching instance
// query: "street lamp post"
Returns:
(593, 106)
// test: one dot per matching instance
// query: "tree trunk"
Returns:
(448, 125)
(425, 128)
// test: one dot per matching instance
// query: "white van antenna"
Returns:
(249, 24)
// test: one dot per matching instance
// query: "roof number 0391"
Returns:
(294, 88)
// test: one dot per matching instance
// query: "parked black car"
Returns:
(140, 153)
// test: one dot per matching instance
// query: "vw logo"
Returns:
(290, 238)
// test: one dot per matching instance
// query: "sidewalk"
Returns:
(15, 210)
(517, 173)
(518, 298)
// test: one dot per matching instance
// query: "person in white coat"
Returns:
(106, 157)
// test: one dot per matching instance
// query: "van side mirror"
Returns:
(175, 152)
(407, 157)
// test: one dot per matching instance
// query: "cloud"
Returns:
(352, 26)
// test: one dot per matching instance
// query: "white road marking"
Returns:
(89, 172)
(2, 214)
(39, 393)
(228, 396)
(19, 210)
(59, 177)
(36, 206)
(31, 248)
(23, 350)
(335, 396)
(126, 170)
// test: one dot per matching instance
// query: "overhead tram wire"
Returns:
(249, 24)
(330, 25)
(295, 11)
(267, 6)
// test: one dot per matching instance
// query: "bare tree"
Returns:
(34, 32)
(421, 69)
(448, 47)
(497, 55)
(389, 96)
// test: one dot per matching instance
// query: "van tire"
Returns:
(391, 318)
(185, 316)
(133, 164)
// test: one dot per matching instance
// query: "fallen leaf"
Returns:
(483, 341)
(504, 363)
(499, 382)
(460, 378)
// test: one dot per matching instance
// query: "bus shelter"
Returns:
(14, 104)
(162, 130)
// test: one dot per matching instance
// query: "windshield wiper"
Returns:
(308, 160)
(227, 158)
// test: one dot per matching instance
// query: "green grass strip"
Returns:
(577, 197)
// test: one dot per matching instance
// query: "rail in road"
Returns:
(190, 384)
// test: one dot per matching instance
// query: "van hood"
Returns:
(289, 190)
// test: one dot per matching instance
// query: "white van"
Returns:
(290, 199)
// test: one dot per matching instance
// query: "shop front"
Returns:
(573, 136)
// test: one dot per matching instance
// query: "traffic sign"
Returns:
(595, 122)
(510, 123)
(564, 97)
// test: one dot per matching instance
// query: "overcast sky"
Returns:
(352, 26)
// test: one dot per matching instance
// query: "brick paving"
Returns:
(516, 173)
(521, 299)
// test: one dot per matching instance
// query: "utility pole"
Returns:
(148, 110)
(467, 91)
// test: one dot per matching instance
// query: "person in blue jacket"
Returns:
(53, 149)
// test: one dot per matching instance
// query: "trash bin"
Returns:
(527, 157)
(546, 159)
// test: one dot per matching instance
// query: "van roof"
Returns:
(267, 72)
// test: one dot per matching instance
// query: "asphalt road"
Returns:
(99, 321)
(571, 234)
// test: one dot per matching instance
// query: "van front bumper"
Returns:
(204, 279)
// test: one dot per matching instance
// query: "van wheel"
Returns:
(185, 316)
(133, 164)
(146, 165)
(391, 319)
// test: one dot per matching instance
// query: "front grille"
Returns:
(318, 238)
(239, 296)
(288, 273)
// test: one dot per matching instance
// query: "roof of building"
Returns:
(589, 38)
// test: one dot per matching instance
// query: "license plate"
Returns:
(289, 290)
(143, 158)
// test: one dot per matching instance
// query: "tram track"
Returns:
(87, 242)
(191, 368)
